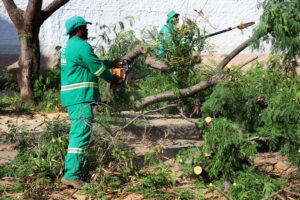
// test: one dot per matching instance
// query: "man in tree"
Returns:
(166, 34)
(80, 70)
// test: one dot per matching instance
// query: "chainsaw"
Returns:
(122, 72)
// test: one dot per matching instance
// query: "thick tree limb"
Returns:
(157, 64)
(33, 11)
(51, 8)
(234, 53)
(15, 14)
(187, 92)
(10, 5)
(135, 52)
(131, 77)
(169, 95)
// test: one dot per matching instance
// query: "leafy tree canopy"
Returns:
(280, 25)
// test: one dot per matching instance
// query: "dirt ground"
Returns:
(172, 133)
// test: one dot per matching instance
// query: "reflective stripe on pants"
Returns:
(81, 116)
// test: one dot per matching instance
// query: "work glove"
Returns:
(117, 63)
(116, 82)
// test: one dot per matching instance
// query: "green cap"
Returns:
(171, 14)
(74, 22)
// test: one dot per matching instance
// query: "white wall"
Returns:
(220, 13)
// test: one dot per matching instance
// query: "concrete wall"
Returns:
(220, 14)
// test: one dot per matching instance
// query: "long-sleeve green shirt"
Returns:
(165, 36)
(80, 69)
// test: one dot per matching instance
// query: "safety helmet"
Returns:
(73, 23)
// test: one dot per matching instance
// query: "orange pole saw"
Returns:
(240, 26)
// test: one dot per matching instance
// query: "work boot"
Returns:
(76, 183)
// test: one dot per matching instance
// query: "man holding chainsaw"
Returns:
(166, 34)
(80, 70)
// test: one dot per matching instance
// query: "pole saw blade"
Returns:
(245, 25)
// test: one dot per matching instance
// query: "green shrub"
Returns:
(249, 185)
(263, 102)
(46, 89)
(280, 26)
(43, 157)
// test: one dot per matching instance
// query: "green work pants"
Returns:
(81, 116)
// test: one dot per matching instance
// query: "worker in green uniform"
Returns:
(80, 70)
(166, 34)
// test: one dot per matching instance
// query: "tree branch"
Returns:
(234, 53)
(265, 139)
(15, 14)
(186, 118)
(145, 113)
(157, 64)
(183, 93)
(33, 11)
(279, 191)
(132, 77)
(9, 5)
(51, 8)
(187, 92)
(257, 138)
(135, 52)
(13, 68)
(246, 63)
(223, 193)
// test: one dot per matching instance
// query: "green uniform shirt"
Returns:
(80, 69)
(166, 35)
(167, 32)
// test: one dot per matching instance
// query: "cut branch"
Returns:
(131, 77)
(234, 53)
(135, 52)
(157, 64)
(169, 95)
(188, 92)
(51, 8)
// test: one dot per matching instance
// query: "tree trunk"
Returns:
(29, 62)
(28, 23)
